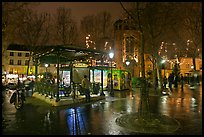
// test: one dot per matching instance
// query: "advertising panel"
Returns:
(66, 77)
(97, 76)
(121, 79)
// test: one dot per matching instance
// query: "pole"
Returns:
(102, 93)
(164, 70)
(36, 69)
(57, 98)
(46, 73)
(112, 93)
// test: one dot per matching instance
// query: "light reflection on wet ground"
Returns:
(99, 118)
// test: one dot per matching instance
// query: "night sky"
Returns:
(81, 9)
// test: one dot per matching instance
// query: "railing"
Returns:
(95, 88)
(46, 88)
(50, 90)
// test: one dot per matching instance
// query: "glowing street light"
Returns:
(163, 61)
(192, 67)
(127, 62)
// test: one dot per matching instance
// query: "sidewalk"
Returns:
(66, 100)
(151, 91)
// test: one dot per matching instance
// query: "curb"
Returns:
(64, 102)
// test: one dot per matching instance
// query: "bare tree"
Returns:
(99, 26)
(135, 14)
(104, 23)
(33, 30)
(153, 20)
(87, 25)
(156, 20)
(10, 12)
(157, 25)
(190, 31)
(141, 12)
(66, 28)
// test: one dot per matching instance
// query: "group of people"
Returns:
(173, 80)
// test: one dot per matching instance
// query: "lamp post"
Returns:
(163, 62)
(46, 65)
(127, 62)
(111, 55)
(192, 77)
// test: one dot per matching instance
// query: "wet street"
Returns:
(99, 118)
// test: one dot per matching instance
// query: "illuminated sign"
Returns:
(80, 65)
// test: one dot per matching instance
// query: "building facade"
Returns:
(126, 46)
(15, 61)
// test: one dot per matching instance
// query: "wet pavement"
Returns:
(99, 118)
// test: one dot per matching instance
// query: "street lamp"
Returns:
(111, 55)
(127, 62)
(46, 65)
(192, 67)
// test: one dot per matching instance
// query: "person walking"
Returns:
(86, 84)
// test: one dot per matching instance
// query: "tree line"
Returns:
(25, 26)
(172, 22)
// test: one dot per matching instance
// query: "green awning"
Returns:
(53, 60)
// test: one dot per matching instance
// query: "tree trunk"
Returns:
(194, 63)
(36, 69)
(29, 62)
(144, 93)
(28, 67)
(159, 74)
(154, 73)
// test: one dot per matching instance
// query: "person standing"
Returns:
(86, 84)
(176, 81)
(170, 80)
(182, 82)
(32, 83)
